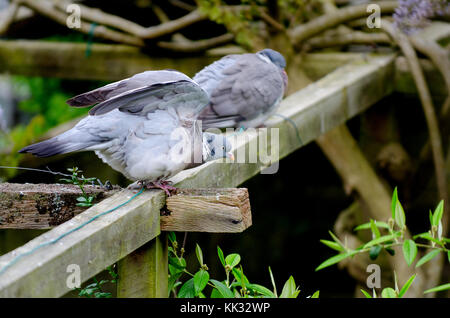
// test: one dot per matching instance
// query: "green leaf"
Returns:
(437, 215)
(374, 229)
(406, 286)
(390, 251)
(409, 251)
(365, 293)
(290, 290)
(175, 262)
(316, 294)
(382, 239)
(333, 260)
(198, 252)
(400, 215)
(173, 281)
(172, 237)
(233, 260)
(273, 282)
(367, 225)
(428, 237)
(201, 279)
(221, 257)
(427, 257)
(394, 203)
(84, 204)
(333, 245)
(261, 290)
(81, 199)
(375, 251)
(222, 289)
(388, 293)
(240, 277)
(448, 256)
(215, 294)
(335, 238)
(438, 288)
(187, 290)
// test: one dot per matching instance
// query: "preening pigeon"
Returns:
(144, 127)
(244, 89)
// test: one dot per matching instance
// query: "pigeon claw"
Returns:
(163, 185)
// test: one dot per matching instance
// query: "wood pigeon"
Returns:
(244, 89)
(145, 127)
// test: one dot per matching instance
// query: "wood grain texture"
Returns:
(42, 206)
(93, 247)
(208, 210)
(144, 273)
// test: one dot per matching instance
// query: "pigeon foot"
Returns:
(163, 185)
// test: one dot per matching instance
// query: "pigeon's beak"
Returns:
(230, 155)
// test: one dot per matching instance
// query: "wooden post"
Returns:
(144, 273)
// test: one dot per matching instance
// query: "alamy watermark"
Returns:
(374, 279)
(73, 21)
(374, 19)
(74, 278)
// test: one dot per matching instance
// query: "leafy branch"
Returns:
(94, 290)
(385, 236)
(235, 285)
(84, 200)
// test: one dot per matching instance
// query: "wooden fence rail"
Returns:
(314, 110)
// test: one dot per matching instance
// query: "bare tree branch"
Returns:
(197, 46)
(45, 8)
(182, 5)
(356, 37)
(271, 21)
(162, 16)
(435, 138)
(438, 55)
(100, 17)
(10, 14)
(302, 32)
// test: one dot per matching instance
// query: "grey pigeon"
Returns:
(244, 89)
(144, 127)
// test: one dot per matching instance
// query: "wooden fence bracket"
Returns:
(44, 206)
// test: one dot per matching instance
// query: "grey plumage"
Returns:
(144, 127)
(244, 90)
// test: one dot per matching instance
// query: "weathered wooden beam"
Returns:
(105, 62)
(317, 65)
(207, 210)
(42, 206)
(93, 247)
(314, 110)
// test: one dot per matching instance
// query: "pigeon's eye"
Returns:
(223, 147)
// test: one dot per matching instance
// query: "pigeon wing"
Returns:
(248, 88)
(185, 96)
(111, 90)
